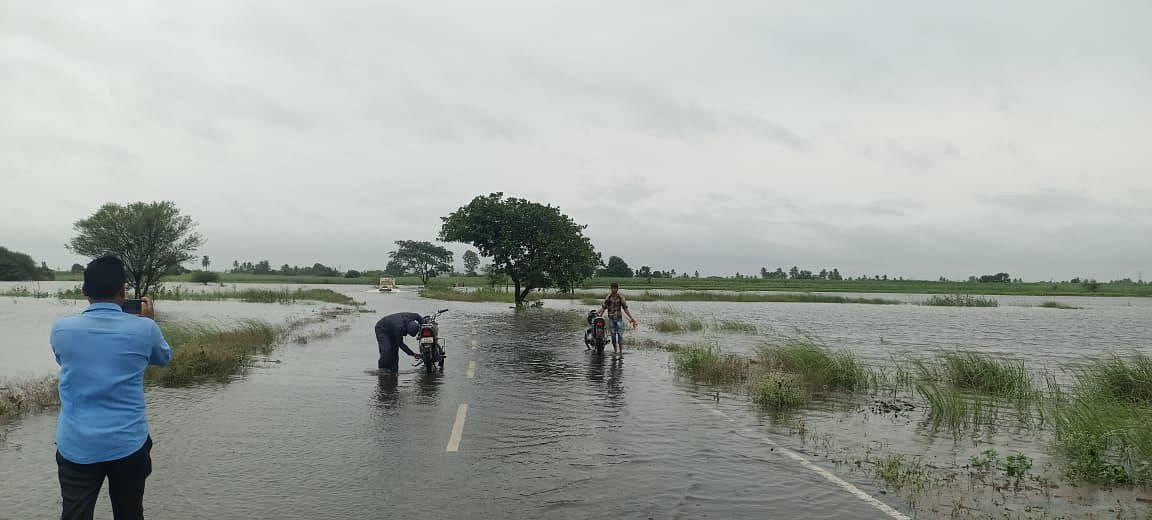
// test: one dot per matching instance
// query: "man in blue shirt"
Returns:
(102, 431)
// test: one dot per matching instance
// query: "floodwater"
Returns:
(545, 430)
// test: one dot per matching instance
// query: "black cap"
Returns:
(104, 277)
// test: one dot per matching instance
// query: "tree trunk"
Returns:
(516, 294)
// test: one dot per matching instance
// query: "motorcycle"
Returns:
(431, 346)
(597, 334)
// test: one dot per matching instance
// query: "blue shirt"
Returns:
(103, 353)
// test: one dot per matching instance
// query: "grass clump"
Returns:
(984, 373)
(1058, 305)
(778, 391)
(706, 364)
(1124, 380)
(950, 408)
(21, 397)
(203, 352)
(672, 326)
(960, 300)
(1103, 429)
(818, 367)
(735, 326)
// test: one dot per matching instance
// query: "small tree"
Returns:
(150, 238)
(617, 268)
(423, 258)
(471, 260)
(204, 261)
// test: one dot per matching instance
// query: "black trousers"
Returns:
(80, 485)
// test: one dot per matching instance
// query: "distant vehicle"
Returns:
(387, 284)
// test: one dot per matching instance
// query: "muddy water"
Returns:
(549, 431)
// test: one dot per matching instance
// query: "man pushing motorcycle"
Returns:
(614, 304)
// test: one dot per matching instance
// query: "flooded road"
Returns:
(523, 423)
(549, 431)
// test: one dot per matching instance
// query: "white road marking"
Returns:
(457, 429)
(471, 369)
(855, 491)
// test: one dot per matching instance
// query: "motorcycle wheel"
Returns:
(599, 348)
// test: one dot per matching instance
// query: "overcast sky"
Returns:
(882, 137)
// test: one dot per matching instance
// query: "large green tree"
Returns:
(16, 266)
(150, 237)
(535, 245)
(423, 258)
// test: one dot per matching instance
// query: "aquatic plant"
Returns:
(819, 367)
(984, 373)
(705, 363)
(960, 300)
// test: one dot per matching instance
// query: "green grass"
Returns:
(485, 294)
(778, 391)
(744, 284)
(1105, 441)
(818, 366)
(1102, 428)
(706, 364)
(957, 411)
(203, 352)
(983, 373)
(24, 396)
(1126, 380)
(1058, 305)
(672, 326)
(735, 326)
(960, 300)
(178, 293)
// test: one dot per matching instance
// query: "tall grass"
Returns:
(949, 407)
(595, 298)
(960, 300)
(705, 363)
(1116, 378)
(178, 293)
(818, 366)
(984, 373)
(1102, 429)
(204, 352)
(20, 397)
(778, 391)
(667, 325)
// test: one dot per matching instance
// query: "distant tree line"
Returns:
(316, 269)
(16, 266)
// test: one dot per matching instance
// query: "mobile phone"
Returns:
(131, 306)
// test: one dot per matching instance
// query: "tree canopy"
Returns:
(423, 258)
(535, 245)
(471, 261)
(616, 268)
(151, 238)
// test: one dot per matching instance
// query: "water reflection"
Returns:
(606, 372)
(387, 390)
(428, 383)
